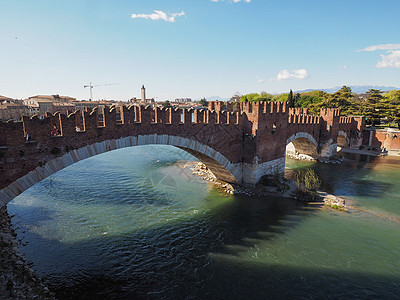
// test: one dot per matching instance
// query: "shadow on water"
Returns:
(173, 261)
(347, 178)
(200, 256)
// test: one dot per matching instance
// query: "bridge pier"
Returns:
(252, 173)
(328, 149)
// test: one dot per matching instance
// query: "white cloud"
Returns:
(296, 74)
(380, 47)
(159, 15)
(260, 80)
(391, 60)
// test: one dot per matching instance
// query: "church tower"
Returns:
(143, 94)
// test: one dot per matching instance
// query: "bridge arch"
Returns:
(218, 164)
(301, 143)
(343, 140)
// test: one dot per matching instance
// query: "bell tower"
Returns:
(143, 94)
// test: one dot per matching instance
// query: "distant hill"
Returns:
(358, 89)
(217, 98)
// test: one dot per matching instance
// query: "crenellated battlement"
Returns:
(330, 112)
(298, 111)
(107, 118)
(346, 120)
(246, 139)
(303, 119)
(263, 107)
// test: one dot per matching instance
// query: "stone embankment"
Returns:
(305, 157)
(274, 187)
(333, 201)
(281, 188)
(204, 173)
(298, 156)
(347, 205)
(17, 279)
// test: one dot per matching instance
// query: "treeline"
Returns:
(379, 108)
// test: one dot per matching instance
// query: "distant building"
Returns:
(143, 100)
(175, 104)
(185, 100)
(63, 108)
(83, 105)
(143, 94)
(12, 109)
(235, 97)
(50, 98)
(4, 98)
(42, 104)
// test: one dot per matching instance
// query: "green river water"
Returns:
(136, 224)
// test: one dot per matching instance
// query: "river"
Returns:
(135, 223)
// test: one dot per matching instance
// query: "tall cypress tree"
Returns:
(290, 99)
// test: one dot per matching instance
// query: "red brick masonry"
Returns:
(242, 137)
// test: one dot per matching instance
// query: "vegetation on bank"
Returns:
(307, 182)
(378, 107)
(337, 207)
(276, 182)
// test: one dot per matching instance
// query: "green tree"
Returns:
(203, 102)
(280, 97)
(312, 100)
(393, 96)
(166, 104)
(290, 99)
(374, 96)
(296, 99)
(264, 96)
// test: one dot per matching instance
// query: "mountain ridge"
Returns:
(358, 89)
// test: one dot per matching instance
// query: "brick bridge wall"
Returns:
(385, 139)
(239, 143)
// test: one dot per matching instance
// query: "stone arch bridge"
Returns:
(238, 142)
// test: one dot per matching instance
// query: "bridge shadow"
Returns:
(168, 261)
(351, 177)
(195, 259)
(199, 257)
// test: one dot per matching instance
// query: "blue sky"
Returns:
(195, 48)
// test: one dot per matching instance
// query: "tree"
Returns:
(374, 96)
(345, 92)
(296, 99)
(290, 99)
(393, 96)
(311, 100)
(264, 96)
(280, 97)
(166, 104)
(255, 97)
(203, 102)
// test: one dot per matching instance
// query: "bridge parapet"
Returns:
(298, 111)
(303, 119)
(109, 120)
(252, 137)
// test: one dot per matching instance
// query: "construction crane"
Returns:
(91, 86)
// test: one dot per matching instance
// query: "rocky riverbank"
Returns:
(204, 173)
(17, 279)
(270, 185)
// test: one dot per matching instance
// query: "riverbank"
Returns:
(370, 152)
(275, 186)
(350, 206)
(17, 279)
(286, 188)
